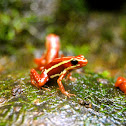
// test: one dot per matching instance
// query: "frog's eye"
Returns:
(74, 62)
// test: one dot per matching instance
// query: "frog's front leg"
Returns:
(38, 80)
(69, 76)
(61, 87)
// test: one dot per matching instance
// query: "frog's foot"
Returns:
(72, 78)
(68, 94)
(47, 89)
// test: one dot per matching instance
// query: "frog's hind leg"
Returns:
(38, 80)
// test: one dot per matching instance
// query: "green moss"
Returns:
(107, 101)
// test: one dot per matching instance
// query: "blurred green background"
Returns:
(93, 28)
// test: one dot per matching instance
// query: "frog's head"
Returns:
(74, 62)
(53, 42)
(79, 61)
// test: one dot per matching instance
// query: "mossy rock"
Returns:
(97, 101)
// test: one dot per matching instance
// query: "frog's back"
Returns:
(57, 66)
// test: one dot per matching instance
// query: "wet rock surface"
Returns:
(97, 101)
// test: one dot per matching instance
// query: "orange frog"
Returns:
(52, 51)
(51, 66)
(121, 83)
